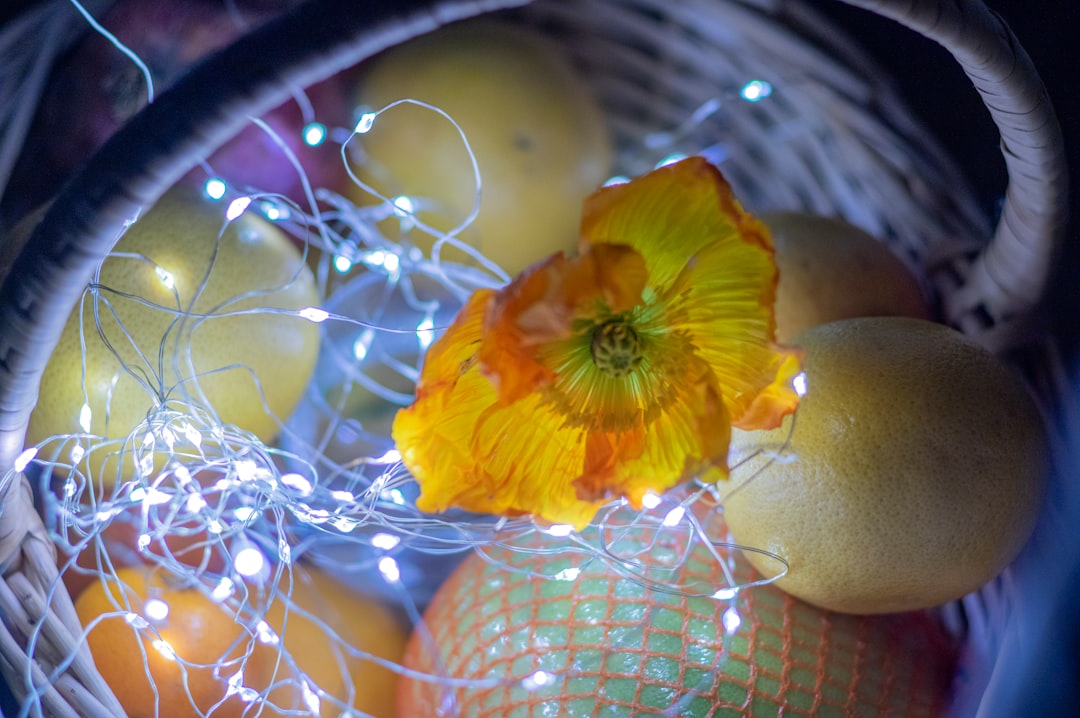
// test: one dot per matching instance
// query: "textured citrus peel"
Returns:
(611, 374)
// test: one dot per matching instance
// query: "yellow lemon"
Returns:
(910, 475)
(171, 312)
(832, 270)
(538, 136)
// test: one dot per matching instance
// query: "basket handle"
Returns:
(1005, 281)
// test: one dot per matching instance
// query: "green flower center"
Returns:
(616, 348)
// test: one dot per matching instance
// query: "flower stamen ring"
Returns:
(616, 348)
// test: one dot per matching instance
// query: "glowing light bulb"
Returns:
(755, 91)
(674, 516)
(165, 276)
(150, 496)
(392, 456)
(363, 344)
(311, 699)
(799, 383)
(215, 188)
(266, 634)
(385, 541)
(389, 569)
(314, 314)
(243, 513)
(156, 609)
(537, 680)
(249, 561)
(403, 206)
(342, 264)
(85, 416)
(560, 530)
(363, 125)
(237, 207)
(314, 134)
(725, 594)
(273, 211)
(222, 590)
(135, 621)
(650, 500)
(298, 482)
(731, 620)
(163, 647)
(425, 332)
(568, 574)
(23, 460)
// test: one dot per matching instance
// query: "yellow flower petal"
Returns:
(724, 299)
(689, 439)
(669, 215)
(610, 374)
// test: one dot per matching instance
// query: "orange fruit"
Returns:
(149, 354)
(832, 270)
(602, 644)
(361, 623)
(911, 473)
(206, 634)
(142, 666)
(539, 137)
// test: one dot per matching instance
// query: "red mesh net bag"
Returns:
(541, 633)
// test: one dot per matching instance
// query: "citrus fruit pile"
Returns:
(911, 474)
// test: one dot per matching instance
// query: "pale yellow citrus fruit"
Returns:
(539, 137)
(910, 475)
(832, 270)
(162, 327)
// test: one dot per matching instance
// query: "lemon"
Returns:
(832, 270)
(911, 474)
(538, 135)
(164, 335)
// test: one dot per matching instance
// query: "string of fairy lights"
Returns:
(332, 488)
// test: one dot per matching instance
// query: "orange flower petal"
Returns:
(614, 373)
(540, 305)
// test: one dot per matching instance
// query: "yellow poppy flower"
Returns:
(611, 374)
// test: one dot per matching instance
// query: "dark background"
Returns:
(941, 95)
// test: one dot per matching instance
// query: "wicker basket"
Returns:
(835, 141)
